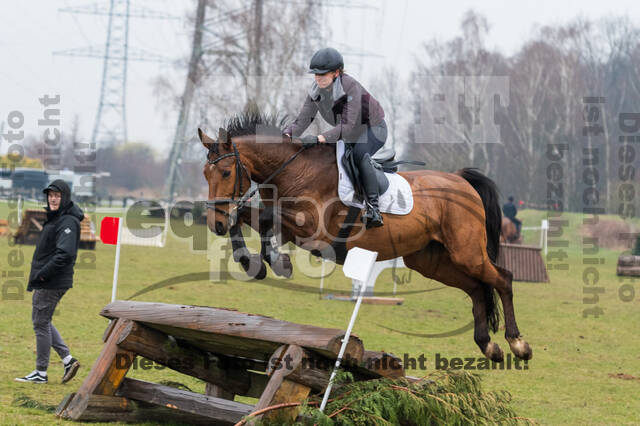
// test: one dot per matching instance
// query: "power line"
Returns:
(110, 126)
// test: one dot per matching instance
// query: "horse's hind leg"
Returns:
(500, 279)
(519, 346)
(434, 262)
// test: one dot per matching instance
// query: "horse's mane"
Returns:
(252, 120)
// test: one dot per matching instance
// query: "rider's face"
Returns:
(325, 80)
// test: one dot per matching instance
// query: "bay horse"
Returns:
(451, 235)
(509, 232)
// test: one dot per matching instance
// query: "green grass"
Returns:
(567, 382)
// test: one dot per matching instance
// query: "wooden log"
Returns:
(233, 333)
(189, 402)
(108, 330)
(105, 408)
(629, 260)
(106, 374)
(629, 271)
(383, 364)
(280, 389)
(227, 373)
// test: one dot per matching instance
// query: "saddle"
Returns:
(382, 161)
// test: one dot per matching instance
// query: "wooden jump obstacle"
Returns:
(32, 223)
(524, 262)
(234, 353)
(628, 265)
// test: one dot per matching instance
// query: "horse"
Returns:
(451, 235)
(509, 232)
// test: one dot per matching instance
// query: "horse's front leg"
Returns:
(280, 262)
(251, 263)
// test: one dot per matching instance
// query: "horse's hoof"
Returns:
(282, 266)
(253, 266)
(520, 348)
(241, 256)
(493, 352)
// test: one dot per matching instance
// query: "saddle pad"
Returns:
(397, 199)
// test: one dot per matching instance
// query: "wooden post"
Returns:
(280, 389)
(106, 374)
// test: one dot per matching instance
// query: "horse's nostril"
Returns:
(219, 228)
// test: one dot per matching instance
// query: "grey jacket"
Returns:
(346, 105)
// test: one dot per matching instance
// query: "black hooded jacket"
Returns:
(57, 247)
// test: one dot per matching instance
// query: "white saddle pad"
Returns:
(397, 199)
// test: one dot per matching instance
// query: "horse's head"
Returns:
(228, 180)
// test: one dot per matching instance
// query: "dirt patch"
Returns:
(623, 376)
(611, 234)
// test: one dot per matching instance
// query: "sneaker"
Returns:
(34, 377)
(70, 370)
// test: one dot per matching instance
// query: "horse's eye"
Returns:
(226, 173)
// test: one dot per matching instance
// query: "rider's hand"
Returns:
(287, 136)
(309, 141)
(321, 139)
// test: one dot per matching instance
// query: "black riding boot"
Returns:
(372, 217)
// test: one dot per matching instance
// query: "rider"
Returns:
(357, 117)
(510, 211)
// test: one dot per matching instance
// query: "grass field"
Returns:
(572, 379)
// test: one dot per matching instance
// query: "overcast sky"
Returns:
(31, 30)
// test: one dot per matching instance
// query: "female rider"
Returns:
(357, 117)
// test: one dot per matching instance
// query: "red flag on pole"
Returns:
(109, 230)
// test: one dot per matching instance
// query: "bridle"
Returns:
(237, 187)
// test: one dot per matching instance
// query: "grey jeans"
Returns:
(43, 305)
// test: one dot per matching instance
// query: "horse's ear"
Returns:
(206, 140)
(223, 137)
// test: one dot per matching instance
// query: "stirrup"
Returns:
(372, 217)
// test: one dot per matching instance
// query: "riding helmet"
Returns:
(325, 60)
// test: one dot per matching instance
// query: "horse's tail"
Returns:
(488, 192)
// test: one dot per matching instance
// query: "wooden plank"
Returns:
(106, 374)
(189, 402)
(231, 332)
(282, 390)
(226, 373)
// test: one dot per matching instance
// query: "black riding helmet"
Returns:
(325, 60)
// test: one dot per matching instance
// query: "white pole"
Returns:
(363, 286)
(545, 229)
(117, 263)
(322, 277)
(358, 266)
(20, 202)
